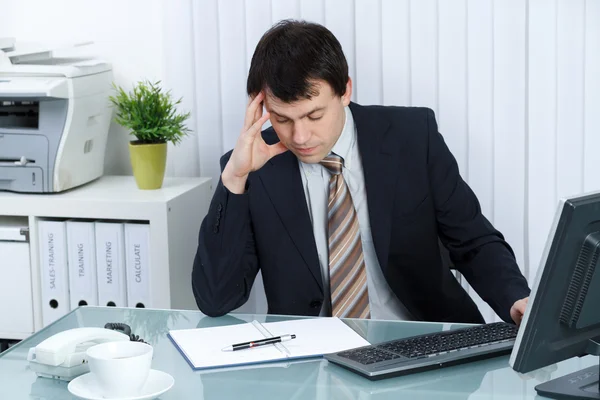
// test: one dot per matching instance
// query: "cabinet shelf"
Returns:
(174, 214)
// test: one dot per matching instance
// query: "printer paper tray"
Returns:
(21, 179)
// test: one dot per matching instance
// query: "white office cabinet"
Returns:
(173, 215)
(16, 301)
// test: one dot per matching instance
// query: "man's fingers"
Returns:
(248, 116)
(518, 311)
(523, 305)
(251, 110)
(519, 320)
(256, 127)
(258, 112)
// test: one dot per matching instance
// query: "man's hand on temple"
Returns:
(250, 152)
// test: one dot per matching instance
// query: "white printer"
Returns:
(54, 118)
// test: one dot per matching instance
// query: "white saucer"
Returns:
(85, 387)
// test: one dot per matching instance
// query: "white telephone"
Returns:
(62, 356)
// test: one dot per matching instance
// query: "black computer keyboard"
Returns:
(419, 353)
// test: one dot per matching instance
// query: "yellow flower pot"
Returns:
(148, 162)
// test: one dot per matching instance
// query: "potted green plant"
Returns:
(149, 114)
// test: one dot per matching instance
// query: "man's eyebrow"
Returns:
(302, 116)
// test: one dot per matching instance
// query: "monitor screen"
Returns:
(562, 319)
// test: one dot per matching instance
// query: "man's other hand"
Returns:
(518, 310)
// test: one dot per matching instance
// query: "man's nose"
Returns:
(301, 134)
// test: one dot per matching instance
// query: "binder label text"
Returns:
(51, 271)
(138, 264)
(108, 253)
(81, 260)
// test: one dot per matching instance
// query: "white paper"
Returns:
(314, 338)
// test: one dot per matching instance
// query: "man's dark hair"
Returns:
(291, 56)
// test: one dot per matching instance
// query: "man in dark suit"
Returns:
(342, 207)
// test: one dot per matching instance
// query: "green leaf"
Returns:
(149, 113)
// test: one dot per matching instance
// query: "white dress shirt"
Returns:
(315, 179)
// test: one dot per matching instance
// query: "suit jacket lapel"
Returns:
(380, 173)
(282, 181)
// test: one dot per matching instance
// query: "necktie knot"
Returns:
(333, 163)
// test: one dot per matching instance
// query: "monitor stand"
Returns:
(584, 384)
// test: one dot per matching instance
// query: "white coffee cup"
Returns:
(120, 368)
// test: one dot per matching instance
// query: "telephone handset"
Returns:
(62, 356)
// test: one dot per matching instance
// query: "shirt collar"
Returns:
(345, 143)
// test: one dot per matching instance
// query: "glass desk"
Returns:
(297, 380)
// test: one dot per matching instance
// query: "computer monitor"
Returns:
(562, 319)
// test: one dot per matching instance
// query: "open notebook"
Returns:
(202, 347)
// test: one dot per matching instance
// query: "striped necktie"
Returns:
(347, 272)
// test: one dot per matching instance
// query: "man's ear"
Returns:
(348, 95)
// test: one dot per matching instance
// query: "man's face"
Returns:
(310, 128)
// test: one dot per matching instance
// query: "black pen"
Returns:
(261, 342)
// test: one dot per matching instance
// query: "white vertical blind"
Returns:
(258, 21)
(207, 60)
(424, 53)
(480, 122)
(284, 9)
(395, 49)
(569, 92)
(339, 19)
(510, 144)
(541, 163)
(232, 51)
(179, 66)
(515, 86)
(313, 10)
(369, 80)
(452, 78)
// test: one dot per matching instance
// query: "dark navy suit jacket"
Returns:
(416, 200)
